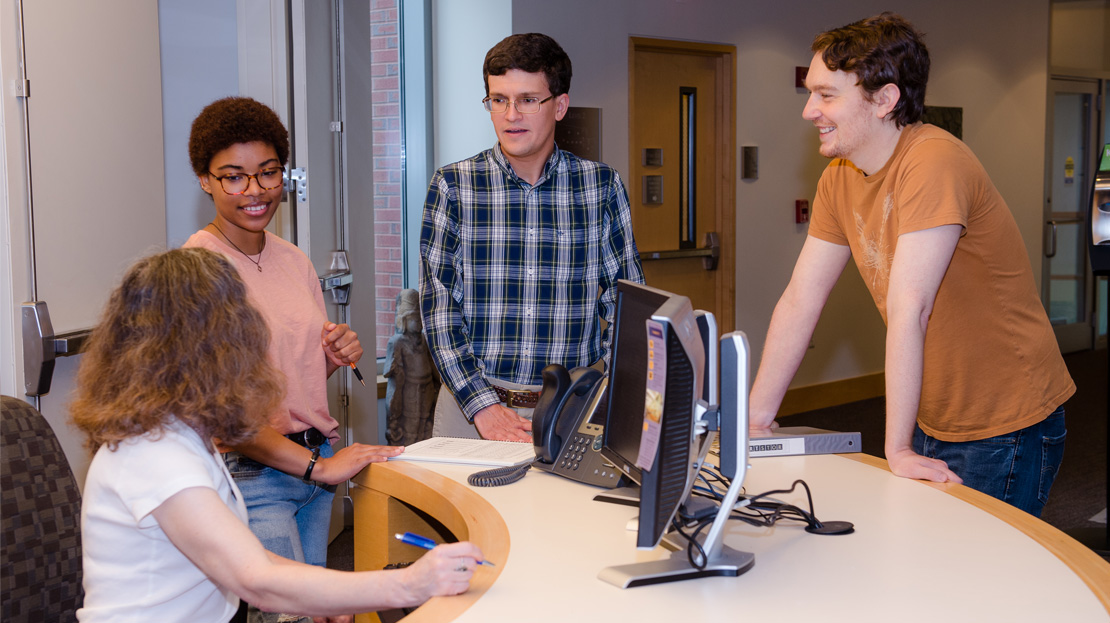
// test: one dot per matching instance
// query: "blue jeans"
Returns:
(290, 516)
(1017, 468)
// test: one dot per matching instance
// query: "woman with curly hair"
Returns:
(176, 360)
(238, 149)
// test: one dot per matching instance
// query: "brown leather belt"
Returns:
(517, 398)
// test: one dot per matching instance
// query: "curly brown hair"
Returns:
(880, 50)
(233, 120)
(178, 339)
(533, 53)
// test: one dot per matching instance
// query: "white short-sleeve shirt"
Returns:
(132, 572)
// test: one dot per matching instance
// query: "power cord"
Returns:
(757, 510)
(761, 511)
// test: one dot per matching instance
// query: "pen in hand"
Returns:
(358, 374)
(416, 540)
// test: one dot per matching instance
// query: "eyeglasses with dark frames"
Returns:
(238, 183)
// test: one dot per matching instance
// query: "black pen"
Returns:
(358, 374)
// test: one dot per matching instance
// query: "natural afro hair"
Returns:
(230, 121)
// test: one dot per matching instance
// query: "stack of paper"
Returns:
(469, 451)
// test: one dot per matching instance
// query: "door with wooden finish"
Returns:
(682, 119)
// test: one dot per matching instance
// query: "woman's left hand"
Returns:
(351, 460)
(341, 345)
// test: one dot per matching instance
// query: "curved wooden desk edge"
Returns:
(468, 515)
(1089, 566)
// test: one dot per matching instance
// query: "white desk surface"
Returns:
(917, 554)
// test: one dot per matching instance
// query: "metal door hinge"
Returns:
(21, 88)
(297, 181)
(336, 126)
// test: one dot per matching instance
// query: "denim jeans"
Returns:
(289, 516)
(1017, 468)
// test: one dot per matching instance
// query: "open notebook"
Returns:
(469, 451)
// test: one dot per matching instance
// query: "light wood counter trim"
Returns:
(1089, 566)
(466, 514)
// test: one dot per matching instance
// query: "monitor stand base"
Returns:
(676, 568)
(626, 496)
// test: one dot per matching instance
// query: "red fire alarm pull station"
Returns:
(801, 211)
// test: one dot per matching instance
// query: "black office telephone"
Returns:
(567, 442)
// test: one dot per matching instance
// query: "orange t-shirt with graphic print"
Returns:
(991, 364)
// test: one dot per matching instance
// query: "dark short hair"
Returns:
(881, 50)
(234, 120)
(533, 53)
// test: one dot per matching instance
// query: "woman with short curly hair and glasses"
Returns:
(238, 149)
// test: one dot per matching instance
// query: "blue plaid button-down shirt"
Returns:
(514, 276)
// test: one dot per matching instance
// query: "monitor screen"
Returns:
(628, 382)
(1100, 216)
(674, 356)
(681, 353)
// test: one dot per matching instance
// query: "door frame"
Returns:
(273, 60)
(725, 160)
(1080, 335)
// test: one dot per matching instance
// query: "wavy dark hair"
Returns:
(233, 120)
(533, 53)
(881, 50)
(177, 339)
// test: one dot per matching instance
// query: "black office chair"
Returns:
(40, 530)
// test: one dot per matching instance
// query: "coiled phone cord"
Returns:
(499, 476)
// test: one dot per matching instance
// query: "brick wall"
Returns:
(385, 44)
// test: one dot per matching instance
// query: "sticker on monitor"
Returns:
(654, 394)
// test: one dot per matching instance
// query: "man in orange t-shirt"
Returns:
(974, 376)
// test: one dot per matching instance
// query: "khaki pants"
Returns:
(449, 419)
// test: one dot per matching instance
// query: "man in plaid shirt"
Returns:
(521, 248)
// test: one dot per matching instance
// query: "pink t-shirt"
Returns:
(287, 293)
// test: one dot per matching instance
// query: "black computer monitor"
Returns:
(675, 370)
(628, 383)
(657, 346)
(1100, 216)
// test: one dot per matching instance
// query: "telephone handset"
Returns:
(567, 443)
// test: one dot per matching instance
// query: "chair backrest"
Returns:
(40, 507)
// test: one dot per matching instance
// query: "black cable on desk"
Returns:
(499, 476)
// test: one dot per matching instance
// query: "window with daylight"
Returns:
(399, 72)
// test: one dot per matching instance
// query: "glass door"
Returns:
(1066, 274)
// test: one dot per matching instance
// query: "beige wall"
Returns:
(990, 58)
(1079, 30)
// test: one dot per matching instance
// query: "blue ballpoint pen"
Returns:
(416, 540)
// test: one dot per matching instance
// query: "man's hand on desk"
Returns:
(501, 423)
(762, 427)
(908, 464)
(766, 431)
(350, 461)
(762, 420)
